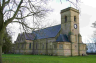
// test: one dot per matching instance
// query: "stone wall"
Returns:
(23, 47)
(53, 48)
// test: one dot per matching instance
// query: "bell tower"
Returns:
(70, 27)
(70, 21)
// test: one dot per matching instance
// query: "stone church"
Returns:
(61, 40)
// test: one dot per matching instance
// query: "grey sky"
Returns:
(86, 18)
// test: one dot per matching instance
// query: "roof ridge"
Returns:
(47, 27)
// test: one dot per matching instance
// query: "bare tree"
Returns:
(17, 11)
(92, 43)
(94, 32)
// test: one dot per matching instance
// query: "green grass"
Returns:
(14, 58)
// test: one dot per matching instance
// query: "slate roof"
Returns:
(47, 32)
(29, 36)
(62, 38)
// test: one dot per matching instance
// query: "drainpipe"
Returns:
(71, 48)
(33, 47)
(71, 44)
(78, 46)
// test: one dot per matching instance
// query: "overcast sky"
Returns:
(86, 18)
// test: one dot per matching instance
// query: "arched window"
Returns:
(29, 45)
(65, 19)
(75, 18)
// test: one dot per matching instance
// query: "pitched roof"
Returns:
(47, 32)
(25, 36)
(29, 36)
(62, 38)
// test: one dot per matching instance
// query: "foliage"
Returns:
(79, 35)
(7, 43)
(70, 33)
(14, 58)
(94, 24)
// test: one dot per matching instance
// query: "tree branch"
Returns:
(4, 3)
(17, 9)
(30, 14)
(24, 24)
(24, 16)
(10, 20)
(9, 10)
(25, 7)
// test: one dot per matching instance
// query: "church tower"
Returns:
(70, 21)
(70, 27)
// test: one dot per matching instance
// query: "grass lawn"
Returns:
(14, 58)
